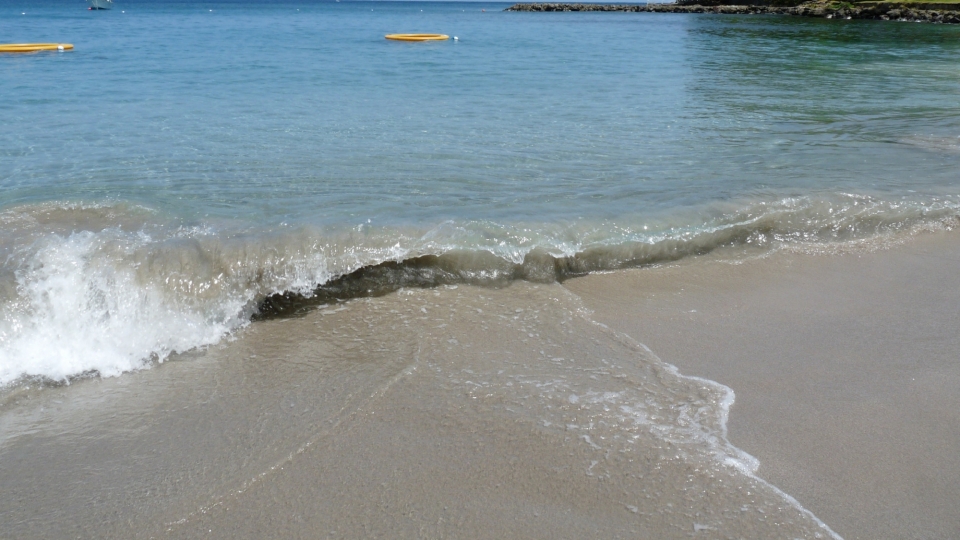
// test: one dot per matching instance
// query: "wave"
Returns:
(91, 290)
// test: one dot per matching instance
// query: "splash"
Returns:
(100, 290)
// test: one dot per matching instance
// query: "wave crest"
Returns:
(103, 290)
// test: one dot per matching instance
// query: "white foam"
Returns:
(109, 299)
(80, 309)
(700, 427)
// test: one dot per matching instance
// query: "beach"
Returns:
(448, 412)
(567, 275)
(427, 412)
(844, 368)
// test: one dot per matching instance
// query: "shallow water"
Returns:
(187, 160)
(190, 167)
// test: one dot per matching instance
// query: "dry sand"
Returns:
(846, 371)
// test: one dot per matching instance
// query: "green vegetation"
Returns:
(919, 4)
(911, 2)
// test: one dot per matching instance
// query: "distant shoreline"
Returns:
(885, 11)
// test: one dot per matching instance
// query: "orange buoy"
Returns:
(417, 37)
(32, 47)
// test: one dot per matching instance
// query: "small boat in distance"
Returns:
(100, 4)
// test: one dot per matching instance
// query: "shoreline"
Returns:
(510, 285)
(493, 412)
(878, 11)
(844, 369)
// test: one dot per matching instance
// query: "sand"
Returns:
(454, 412)
(474, 412)
(845, 369)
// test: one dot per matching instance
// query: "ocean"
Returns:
(199, 179)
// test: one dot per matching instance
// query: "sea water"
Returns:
(192, 166)
(188, 159)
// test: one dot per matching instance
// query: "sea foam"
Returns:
(79, 309)
(116, 288)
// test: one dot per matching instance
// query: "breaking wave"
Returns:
(104, 289)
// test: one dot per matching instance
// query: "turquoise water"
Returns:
(188, 159)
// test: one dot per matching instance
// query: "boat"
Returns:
(100, 4)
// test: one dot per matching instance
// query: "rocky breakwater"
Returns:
(883, 11)
(652, 8)
(833, 10)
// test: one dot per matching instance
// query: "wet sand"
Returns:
(452, 412)
(531, 411)
(845, 368)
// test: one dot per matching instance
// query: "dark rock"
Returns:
(881, 11)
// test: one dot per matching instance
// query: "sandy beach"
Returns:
(845, 370)
(453, 412)
(475, 412)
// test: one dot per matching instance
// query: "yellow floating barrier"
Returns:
(417, 37)
(32, 47)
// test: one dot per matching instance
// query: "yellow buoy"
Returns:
(31, 47)
(417, 37)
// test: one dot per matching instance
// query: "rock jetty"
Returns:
(877, 11)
